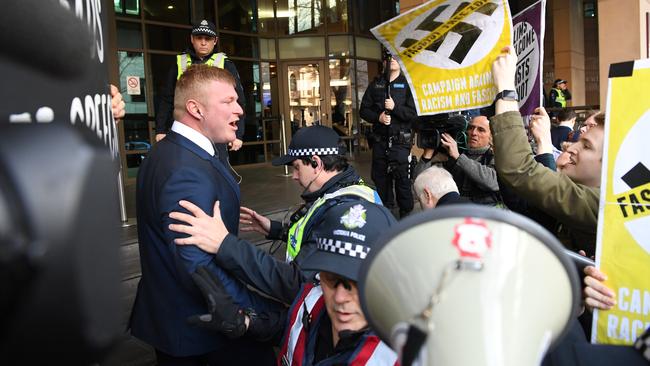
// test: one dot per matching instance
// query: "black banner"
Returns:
(54, 67)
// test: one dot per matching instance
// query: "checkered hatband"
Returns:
(314, 151)
(343, 248)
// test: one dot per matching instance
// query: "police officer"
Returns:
(388, 105)
(325, 325)
(560, 94)
(201, 51)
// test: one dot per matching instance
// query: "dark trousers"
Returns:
(247, 354)
(390, 172)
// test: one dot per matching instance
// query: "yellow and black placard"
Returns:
(446, 49)
(623, 249)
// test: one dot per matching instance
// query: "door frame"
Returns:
(325, 109)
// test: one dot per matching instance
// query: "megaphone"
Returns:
(469, 285)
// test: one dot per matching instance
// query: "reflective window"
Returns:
(368, 48)
(137, 142)
(267, 49)
(176, 11)
(371, 15)
(239, 46)
(266, 17)
(168, 38)
(204, 9)
(129, 35)
(337, 16)
(302, 47)
(272, 151)
(132, 70)
(341, 94)
(127, 7)
(304, 95)
(270, 96)
(249, 74)
(240, 16)
(162, 66)
(248, 154)
(366, 71)
(340, 46)
(300, 16)
(272, 129)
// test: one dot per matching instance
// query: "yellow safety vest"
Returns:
(183, 61)
(297, 230)
(560, 97)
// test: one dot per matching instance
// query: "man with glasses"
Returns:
(326, 324)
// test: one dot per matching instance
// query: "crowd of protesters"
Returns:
(208, 297)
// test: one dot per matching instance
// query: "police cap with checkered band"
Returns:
(345, 235)
(310, 141)
(204, 27)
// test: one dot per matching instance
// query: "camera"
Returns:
(431, 129)
(386, 55)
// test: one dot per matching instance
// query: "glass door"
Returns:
(306, 94)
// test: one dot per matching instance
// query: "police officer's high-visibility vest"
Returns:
(297, 230)
(183, 61)
(560, 97)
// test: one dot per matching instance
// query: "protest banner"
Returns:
(623, 246)
(446, 49)
(528, 40)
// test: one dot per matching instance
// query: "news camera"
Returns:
(431, 129)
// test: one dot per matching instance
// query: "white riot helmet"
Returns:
(469, 285)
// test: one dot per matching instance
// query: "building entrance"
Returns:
(305, 96)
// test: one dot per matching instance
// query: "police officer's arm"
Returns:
(165, 111)
(241, 98)
(405, 111)
(225, 316)
(369, 110)
(191, 183)
(567, 94)
(240, 258)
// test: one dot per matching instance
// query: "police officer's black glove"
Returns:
(225, 316)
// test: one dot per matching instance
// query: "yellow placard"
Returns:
(623, 248)
(446, 49)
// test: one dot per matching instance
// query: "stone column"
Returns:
(569, 49)
(406, 5)
(621, 35)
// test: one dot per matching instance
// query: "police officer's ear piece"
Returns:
(314, 163)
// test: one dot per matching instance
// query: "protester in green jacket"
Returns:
(571, 196)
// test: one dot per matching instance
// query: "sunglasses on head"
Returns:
(333, 281)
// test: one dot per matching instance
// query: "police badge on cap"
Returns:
(205, 27)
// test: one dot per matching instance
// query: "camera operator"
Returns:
(389, 106)
(473, 169)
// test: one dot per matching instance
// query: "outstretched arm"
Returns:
(240, 258)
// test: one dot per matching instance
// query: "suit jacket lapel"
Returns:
(214, 160)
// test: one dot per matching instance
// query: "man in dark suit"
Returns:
(184, 166)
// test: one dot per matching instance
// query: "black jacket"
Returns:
(372, 105)
(165, 111)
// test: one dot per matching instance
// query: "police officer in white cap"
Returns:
(325, 325)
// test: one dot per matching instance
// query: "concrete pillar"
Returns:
(622, 35)
(569, 46)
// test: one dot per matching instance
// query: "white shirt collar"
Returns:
(194, 136)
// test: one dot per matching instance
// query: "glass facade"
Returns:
(272, 43)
